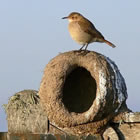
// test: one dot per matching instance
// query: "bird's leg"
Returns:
(86, 46)
(81, 47)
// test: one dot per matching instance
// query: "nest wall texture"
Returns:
(80, 87)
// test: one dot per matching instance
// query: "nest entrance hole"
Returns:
(79, 90)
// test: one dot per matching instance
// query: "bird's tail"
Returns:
(109, 43)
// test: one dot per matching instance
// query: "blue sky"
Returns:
(32, 32)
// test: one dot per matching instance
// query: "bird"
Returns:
(83, 31)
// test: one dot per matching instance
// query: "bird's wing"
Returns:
(89, 28)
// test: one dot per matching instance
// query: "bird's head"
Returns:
(74, 16)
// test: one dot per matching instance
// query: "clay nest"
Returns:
(81, 87)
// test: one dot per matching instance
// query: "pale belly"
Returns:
(79, 35)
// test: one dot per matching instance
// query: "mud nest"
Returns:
(81, 87)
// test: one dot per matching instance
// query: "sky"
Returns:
(32, 33)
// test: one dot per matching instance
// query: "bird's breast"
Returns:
(78, 34)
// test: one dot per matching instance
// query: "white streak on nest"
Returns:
(119, 83)
(90, 111)
(103, 89)
(102, 92)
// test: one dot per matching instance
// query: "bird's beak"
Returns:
(64, 17)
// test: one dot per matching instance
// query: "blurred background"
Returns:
(32, 33)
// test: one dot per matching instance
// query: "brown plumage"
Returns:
(83, 31)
